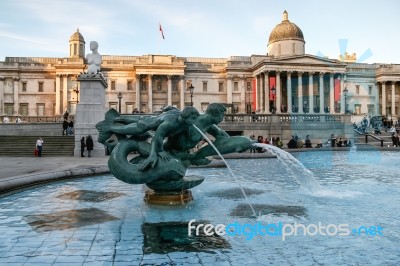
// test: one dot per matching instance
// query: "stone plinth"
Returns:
(89, 111)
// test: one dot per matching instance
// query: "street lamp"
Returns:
(76, 90)
(191, 89)
(345, 91)
(119, 101)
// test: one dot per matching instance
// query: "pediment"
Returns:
(308, 60)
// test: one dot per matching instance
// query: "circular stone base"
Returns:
(168, 198)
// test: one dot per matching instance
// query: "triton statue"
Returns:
(162, 164)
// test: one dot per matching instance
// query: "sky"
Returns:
(199, 28)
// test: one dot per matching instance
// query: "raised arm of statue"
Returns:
(93, 59)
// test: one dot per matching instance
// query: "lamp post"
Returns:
(76, 90)
(191, 89)
(345, 92)
(119, 101)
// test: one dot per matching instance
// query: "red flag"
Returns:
(162, 32)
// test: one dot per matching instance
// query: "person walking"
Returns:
(82, 146)
(89, 144)
(65, 128)
(39, 146)
(70, 128)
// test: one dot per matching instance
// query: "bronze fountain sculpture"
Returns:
(161, 164)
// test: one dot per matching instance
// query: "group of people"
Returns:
(7, 120)
(260, 139)
(88, 143)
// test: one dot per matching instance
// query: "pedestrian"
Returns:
(18, 120)
(65, 127)
(71, 127)
(39, 146)
(5, 119)
(82, 146)
(89, 144)
(66, 114)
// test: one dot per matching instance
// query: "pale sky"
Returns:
(199, 28)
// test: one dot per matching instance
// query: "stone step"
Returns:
(25, 145)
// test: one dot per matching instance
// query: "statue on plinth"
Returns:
(93, 59)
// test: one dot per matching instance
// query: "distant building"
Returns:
(285, 80)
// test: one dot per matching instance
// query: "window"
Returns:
(174, 86)
(113, 85)
(40, 86)
(235, 86)
(75, 49)
(24, 86)
(357, 89)
(204, 86)
(159, 85)
(371, 109)
(113, 105)
(40, 109)
(248, 86)
(236, 108)
(129, 85)
(129, 108)
(144, 86)
(294, 48)
(55, 88)
(23, 109)
(143, 107)
(369, 90)
(204, 106)
(357, 109)
(221, 87)
(9, 108)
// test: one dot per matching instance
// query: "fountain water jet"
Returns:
(229, 168)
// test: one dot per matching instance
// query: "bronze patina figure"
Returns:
(162, 163)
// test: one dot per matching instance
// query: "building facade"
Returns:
(284, 80)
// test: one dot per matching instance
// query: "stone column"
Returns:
(243, 95)
(16, 94)
(342, 107)
(393, 113)
(150, 95)
(311, 93)
(289, 92)
(229, 89)
(58, 95)
(2, 111)
(257, 90)
(300, 93)
(383, 98)
(321, 94)
(137, 95)
(89, 111)
(278, 92)
(65, 93)
(331, 94)
(262, 94)
(182, 94)
(266, 82)
(169, 91)
(378, 112)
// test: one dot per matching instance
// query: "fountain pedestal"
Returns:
(89, 111)
(168, 198)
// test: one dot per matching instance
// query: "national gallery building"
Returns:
(284, 80)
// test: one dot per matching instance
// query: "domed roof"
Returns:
(286, 30)
(77, 36)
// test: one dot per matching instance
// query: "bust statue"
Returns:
(93, 59)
